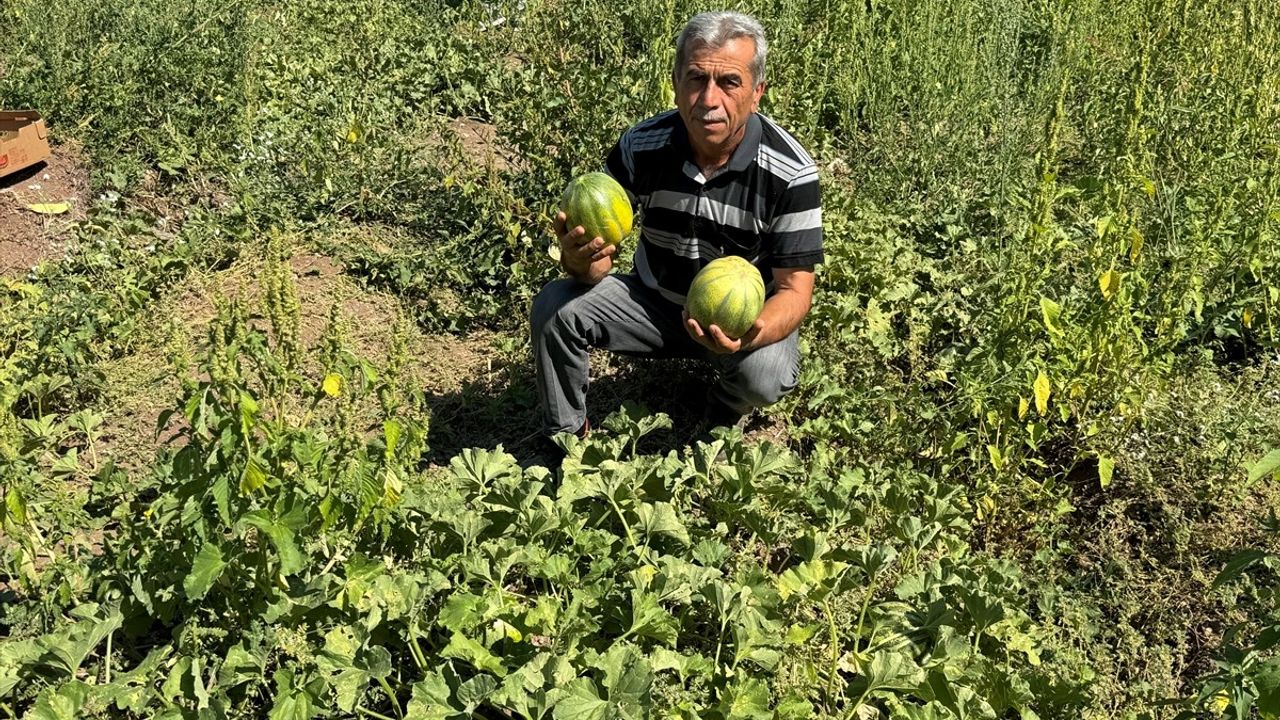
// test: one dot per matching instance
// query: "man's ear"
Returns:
(759, 93)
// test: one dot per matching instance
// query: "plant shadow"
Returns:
(505, 412)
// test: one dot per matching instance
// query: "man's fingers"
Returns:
(604, 252)
(694, 328)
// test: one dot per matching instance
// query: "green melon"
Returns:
(727, 293)
(599, 204)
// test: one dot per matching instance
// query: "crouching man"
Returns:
(710, 178)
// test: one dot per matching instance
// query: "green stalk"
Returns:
(360, 709)
(631, 538)
(392, 696)
(107, 660)
(835, 655)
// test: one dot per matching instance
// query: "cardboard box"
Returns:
(24, 140)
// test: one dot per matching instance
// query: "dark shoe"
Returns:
(549, 453)
(715, 414)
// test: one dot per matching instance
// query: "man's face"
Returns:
(716, 94)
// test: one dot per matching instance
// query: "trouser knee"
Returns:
(763, 378)
(550, 302)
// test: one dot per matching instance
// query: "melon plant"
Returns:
(727, 293)
(599, 204)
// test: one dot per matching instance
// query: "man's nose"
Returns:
(710, 96)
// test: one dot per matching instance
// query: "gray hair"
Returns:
(714, 29)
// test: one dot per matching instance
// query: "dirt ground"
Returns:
(27, 237)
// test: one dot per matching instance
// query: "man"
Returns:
(711, 178)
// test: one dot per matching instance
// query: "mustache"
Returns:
(710, 117)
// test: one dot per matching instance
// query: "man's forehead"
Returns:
(741, 49)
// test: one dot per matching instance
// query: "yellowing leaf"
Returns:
(353, 133)
(49, 208)
(1106, 468)
(1248, 318)
(332, 385)
(1023, 406)
(1109, 282)
(253, 478)
(1042, 389)
(997, 457)
(1102, 225)
(1050, 311)
(1135, 245)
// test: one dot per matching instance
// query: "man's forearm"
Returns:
(782, 314)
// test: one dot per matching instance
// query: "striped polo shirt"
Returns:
(764, 205)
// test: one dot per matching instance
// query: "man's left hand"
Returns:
(714, 339)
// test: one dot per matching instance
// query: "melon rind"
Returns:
(599, 204)
(727, 293)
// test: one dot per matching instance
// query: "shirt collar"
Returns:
(742, 156)
(745, 153)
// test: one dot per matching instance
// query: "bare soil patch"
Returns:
(144, 385)
(28, 238)
(464, 146)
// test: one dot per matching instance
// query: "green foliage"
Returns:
(1038, 395)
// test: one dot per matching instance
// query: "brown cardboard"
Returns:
(24, 140)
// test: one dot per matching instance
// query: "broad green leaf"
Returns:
(1268, 465)
(61, 704)
(1238, 563)
(205, 569)
(660, 519)
(478, 468)
(627, 674)
(1106, 468)
(56, 208)
(747, 699)
(816, 578)
(220, 490)
(430, 700)
(801, 634)
(686, 666)
(292, 703)
(64, 651)
(461, 647)
(1267, 683)
(580, 700)
(475, 691)
(241, 665)
(282, 539)
(1042, 389)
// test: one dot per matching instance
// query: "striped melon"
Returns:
(599, 204)
(728, 293)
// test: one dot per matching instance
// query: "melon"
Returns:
(727, 293)
(599, 204)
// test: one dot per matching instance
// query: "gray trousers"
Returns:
(622, 315)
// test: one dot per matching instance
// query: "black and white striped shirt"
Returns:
(764, 205)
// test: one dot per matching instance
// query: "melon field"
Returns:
(267, 415)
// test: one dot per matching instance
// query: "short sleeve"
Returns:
(620, 164)
(795, 231)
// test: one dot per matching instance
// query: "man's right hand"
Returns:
(586, 259)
